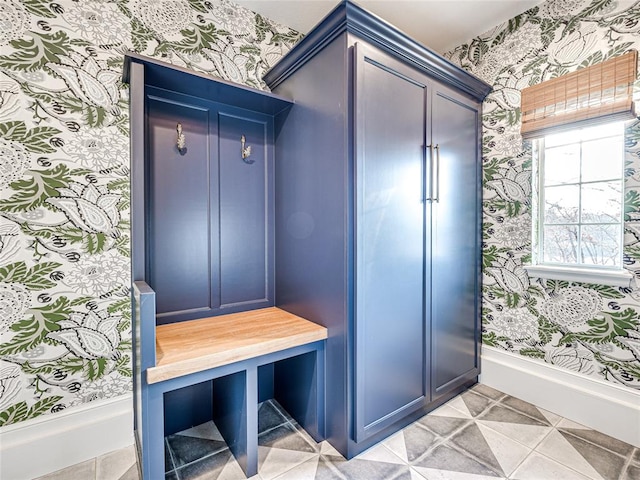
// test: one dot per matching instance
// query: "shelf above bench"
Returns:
(192, 346)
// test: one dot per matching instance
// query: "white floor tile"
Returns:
(379, 453)
(327, 449)
(447, 410)
(275, 461)
(458, 404)
(550, 416)
(304, 471)
(566, 423)
(555, 446)
(539, 467)
(396, 444)
(433, 474)
(114, 465)
(206, 430)
(508, 453)
(528, 435)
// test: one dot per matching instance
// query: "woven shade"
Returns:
(585, 96)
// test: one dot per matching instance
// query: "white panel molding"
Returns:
(45, 444)
(606, 407)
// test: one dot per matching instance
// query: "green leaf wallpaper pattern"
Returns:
(586, 328)
(65, 320)
(64, 173)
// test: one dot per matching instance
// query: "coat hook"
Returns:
(245, 151)
(181, 141)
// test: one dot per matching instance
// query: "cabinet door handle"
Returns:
(428, 174)
(436, 175)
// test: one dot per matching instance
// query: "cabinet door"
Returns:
(455, 218)
(390, 110)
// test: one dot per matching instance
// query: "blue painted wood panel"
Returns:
(180, 188)
(313, 212)
(210, 235)
(390, 256)
(455, 247)
(187, 407)
(244, 199)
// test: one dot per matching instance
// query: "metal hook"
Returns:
(181, 141)
(245, 151)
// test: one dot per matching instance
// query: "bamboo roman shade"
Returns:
(588, 94)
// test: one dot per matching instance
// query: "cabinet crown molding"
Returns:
(351, 18)
(183, 80)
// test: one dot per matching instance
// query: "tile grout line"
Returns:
(173, 460)
(627, 464)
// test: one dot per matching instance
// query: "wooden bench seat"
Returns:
(193, 346)
(227, 353)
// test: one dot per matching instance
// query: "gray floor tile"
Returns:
(209, 467)
(81, 471)
(185, 450)
(449, 459)
(632, 473)
(525, 407)
(168, 460)
(475, 403)
(489, 392)
(443, 426)
(269, 417)
(606, 463)
(171, 476)
(601, 440)
(499, 413)
(286, 437)
(472, 441)
(417, 441)
(636, 456)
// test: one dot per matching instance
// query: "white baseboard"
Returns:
(603, 406)
(45, 444)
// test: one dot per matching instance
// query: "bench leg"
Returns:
(153, 466)
(299, 388)
(235, 413)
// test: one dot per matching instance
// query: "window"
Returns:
(578, 225)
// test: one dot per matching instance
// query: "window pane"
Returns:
(562, 165)
(561, 204)
(603, 130)
(560, 244)
(600, 245)
(572, 136)
(601, 202)
(602, 159)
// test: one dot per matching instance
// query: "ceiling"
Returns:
(439, 24)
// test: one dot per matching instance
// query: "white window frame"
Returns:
(597, 274)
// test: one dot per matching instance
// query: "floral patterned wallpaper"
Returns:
(65, 321)
(591, 329)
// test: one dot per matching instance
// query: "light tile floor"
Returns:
(482, 434)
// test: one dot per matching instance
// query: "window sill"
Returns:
(600, 276)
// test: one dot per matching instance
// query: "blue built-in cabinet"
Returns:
(349, 196)
(378, 219)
